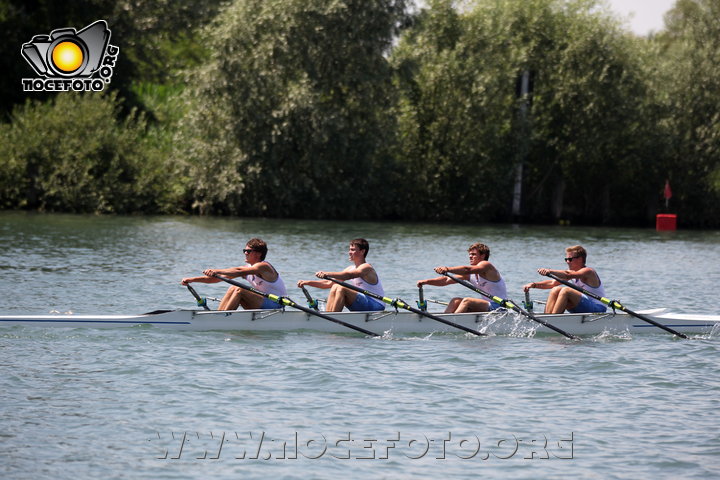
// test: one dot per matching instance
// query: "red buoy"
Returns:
(666, 222)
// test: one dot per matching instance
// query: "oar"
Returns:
(288, 302)
(614, 304)
(399, 303)
(312, 303)
(202, 302)
(508, 304)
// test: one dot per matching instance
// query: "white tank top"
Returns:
(276, 288)
(377, 288)
(599, 290)
(497, 289)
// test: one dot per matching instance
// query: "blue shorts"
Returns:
(269, 304)
(363, 303)
(588, 305)
(494, 306)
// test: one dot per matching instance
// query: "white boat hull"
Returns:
(389, 322)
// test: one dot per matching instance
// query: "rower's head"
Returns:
(256, 245)
(360, 245)
(479, 252)
(575, 254)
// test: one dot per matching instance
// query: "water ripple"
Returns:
(82, 403)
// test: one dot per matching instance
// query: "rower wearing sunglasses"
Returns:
(260, 274)
(563, 298)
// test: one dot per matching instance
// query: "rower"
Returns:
(360, 273)
(258, 272)
(563, 297)
(480, 273)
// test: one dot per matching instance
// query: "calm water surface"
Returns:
(138, 403)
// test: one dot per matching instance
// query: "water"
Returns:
(120, 403)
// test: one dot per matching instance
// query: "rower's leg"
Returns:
(453, 305)
(250, 301)
(473, 305)
(339, 298)
(567, 298)
(552, 299)
(231, 300)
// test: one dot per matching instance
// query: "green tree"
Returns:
(457, 92)
(73, 154)
(690, 80)
(590, 143)
(291, 115)
(459, 116)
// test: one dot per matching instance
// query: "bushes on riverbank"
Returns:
(316, 109)
(76, 153)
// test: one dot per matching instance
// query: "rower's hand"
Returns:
(321, 274)
(185, 281)
(420, 283)
(528, 286)
(301, 283)
(209, 272)
(543, 271)
(441, 270)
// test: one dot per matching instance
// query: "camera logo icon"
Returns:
(71, 60)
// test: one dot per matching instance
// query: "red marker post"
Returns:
(665, 222)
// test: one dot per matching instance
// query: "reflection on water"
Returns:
(93, 264)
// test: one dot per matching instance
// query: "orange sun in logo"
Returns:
(67, 56)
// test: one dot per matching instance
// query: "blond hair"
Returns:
(481, 248)
(577, 251)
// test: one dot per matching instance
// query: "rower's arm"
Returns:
(564, 274)
(463, 270)
(584, 274)
(435, 282)
(542, 285)
(234, 272)
(347, 274)
(203, 279)
(315, 283)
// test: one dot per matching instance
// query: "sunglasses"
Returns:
(247, 251)
(570, 259)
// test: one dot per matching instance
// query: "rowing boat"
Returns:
(498, 322)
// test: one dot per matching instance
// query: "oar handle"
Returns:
(615, 305)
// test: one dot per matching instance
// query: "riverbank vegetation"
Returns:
(472, 111)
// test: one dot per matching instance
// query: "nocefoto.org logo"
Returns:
(70, 60)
